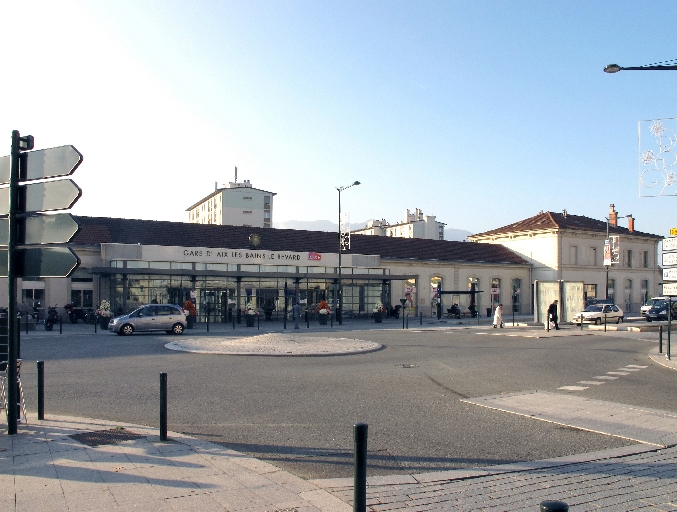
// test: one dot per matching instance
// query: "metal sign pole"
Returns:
(669, 324)
(12, 328)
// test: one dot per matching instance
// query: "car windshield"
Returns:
(593, 309)
(660, 304)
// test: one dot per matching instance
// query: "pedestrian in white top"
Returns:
(498, 316)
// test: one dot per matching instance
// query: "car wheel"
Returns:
(49, 326)
(126, 330)
(598, 321)
(177, 328)
(620, 320)
(648, 319)
(578, 324)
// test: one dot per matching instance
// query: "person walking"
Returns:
(552, 314)
(498, 316)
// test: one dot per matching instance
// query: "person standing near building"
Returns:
(498, 316)
(552, 314)
(296, 309)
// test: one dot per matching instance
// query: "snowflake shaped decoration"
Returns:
(648, 157)
(658, 158)
(657, 128)
(670, 178)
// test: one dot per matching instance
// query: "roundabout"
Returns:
(274, 344)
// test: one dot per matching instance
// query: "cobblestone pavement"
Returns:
(618, 481)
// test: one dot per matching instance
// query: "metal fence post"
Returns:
(41, 390)
(660, 339)
(163, 406)
(554, 506)
(360, 431)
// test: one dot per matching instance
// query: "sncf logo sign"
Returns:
(316, 256)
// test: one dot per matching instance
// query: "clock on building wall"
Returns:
(254, 239)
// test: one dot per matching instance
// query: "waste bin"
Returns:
(488, 312)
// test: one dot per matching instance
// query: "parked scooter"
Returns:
(70, 311)
(90, 316)
(36, 313)
(51, 318)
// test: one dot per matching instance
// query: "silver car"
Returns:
(599, 314)
(152, 317)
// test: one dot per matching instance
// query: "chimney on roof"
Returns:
(235, 175)
(613, 215)
(564, 214)
(631, 224)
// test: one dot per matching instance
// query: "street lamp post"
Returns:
(339, 291)
(615, 68)
(606, 285)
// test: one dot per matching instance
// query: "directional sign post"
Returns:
(25, 232)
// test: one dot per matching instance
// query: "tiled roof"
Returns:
(96, 230)
(552, 220)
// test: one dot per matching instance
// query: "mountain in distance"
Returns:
(458, 235)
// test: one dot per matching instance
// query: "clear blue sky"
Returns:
(479, 112)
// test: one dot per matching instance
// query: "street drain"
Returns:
(407, 365)
(100, 437)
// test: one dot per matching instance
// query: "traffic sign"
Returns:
(669, 244)
(670, 274)
(41, 229)
(44, 163)
(673, 231)
(46, 196)
(670, 289)
(42, 262)
(669, 259)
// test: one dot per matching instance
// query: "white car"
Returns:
(595, 314)
(651, 303)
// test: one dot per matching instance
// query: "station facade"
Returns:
(223, 269)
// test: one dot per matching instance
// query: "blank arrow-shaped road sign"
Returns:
(46, 196)
(45, 163)
(42, 262)
(41, 229)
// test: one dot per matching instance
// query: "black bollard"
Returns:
(421, 318)
(360, 431)
(554, 506)
(60, 325)
(331, 319)
(96, 323)
(41, 390)
(26, 324)
(604, 322)
(258, 322)
(660, 339)
(307, 319)
(163, 406)
(407, 321)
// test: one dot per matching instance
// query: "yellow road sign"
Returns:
(673, 231)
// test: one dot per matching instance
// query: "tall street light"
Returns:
(339, 292)
(615, 68)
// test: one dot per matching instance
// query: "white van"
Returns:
(650, 303)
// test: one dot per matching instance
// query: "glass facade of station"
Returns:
(219, 290)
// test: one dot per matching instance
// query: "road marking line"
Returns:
(629, 369)
(591, 382)
(635, 366)
(573, 388)
(606, 377)
(618, 373)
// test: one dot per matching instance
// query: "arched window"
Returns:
(516, 295)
